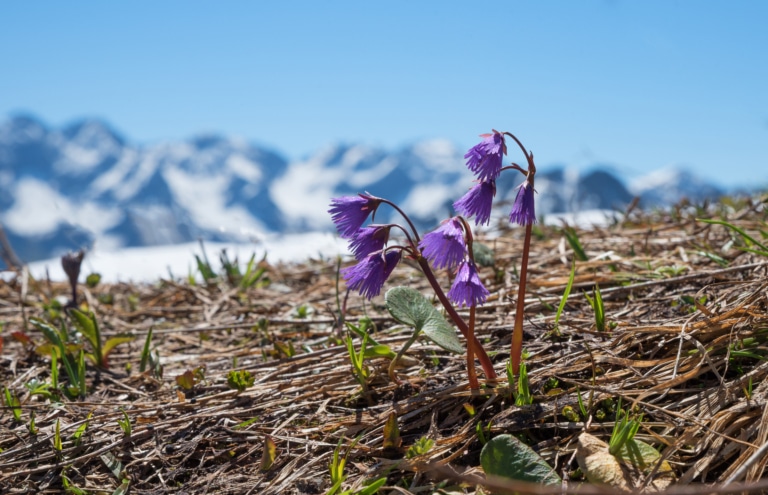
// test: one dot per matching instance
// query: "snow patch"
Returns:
(149, 264)
(39, 209)
(204, 197)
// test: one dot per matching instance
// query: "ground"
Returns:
(683, 346)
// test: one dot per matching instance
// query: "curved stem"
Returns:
(407, 219)
(516, 351)
(471, 373)
(528, 156)
(485, 361)
(393, 364)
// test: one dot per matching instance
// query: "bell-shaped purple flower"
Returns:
(368, 240)
(484, 158)
(467, 289)
(350, 212)
(445, 246)
(368, 275)
(477, 202)
(523, 211)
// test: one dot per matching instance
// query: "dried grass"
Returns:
(671, 359)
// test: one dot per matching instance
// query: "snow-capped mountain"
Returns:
(84, 185)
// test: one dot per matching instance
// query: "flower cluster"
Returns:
(484, 159)
(368, 244)
(446, 247)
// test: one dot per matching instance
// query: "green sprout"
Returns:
(564, 299)
(12, 402)
(240, 380)
(624, 430)
(422, 446)
(125, 423)
(523, 395)
(597, 306)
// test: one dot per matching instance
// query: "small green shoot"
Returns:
(285, 350)
(190, 378)
(338, 462)
(359, 370)
(748, 240)
(573, 240)
(392, 438)
(523, 395)
(12, 402)
(125, 423)
(70, 488)
(748, 389)
(240, 380)
(57, 446)
(246, 423)
(37, 387)
(32, 427)
(564, 299)
(596, 301)
(624, 430)
(582, 408)
(74, 367)
(422, 446)
(80, 431)
(470, 409)
(93, 280)
(371, 489)
(253, 272)
(268, 455)
(145, 352)
(570, 414)
(89, 327)
(481, 432)
(54, 371)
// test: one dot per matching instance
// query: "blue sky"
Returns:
(641, 85)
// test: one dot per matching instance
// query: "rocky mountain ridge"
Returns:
(84, 185)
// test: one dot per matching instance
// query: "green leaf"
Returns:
(373, 488)
(90, 328)
(409, 307)
(112, 463)
(506, 456)
(641, 455)
(123, 488)
(145, 352)
(380, 350)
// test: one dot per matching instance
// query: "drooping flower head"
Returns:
(369, 274)
(350, 212)
(477, 202)
(368, 240)
(467, 289)
(484, 158)
(445, 246)
(523, 211)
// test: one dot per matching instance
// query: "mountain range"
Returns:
(84, 186)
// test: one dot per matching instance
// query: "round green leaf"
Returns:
(506, 456)
(410, 307)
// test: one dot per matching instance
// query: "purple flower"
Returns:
(484, 158)
(467, 289)
(445, 246)
(349, 212)
(477, 201)
(369, 275)
(523, 212)
(368, 240)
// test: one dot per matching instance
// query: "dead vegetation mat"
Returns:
(686, 310)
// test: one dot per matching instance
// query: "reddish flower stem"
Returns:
(516, 351)
(477, 347)
(471, 373)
